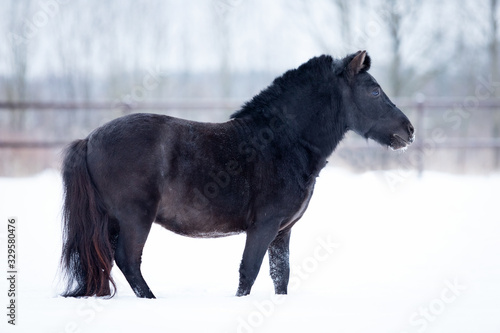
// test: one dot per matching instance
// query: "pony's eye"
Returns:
(376, 92)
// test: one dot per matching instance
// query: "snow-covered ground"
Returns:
(370, 255)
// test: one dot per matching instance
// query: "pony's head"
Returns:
(369, 112)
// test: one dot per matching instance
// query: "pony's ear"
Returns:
(360, 63)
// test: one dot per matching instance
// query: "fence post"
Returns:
(420, 138)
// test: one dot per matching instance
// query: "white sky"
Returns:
(197, 35)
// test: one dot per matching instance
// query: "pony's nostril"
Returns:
(411, 130)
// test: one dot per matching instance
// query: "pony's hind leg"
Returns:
(129, 245)
(279, 264)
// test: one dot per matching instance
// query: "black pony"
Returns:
(253, 174)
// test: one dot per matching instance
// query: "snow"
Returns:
(370, 255)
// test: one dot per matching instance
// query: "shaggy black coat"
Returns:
(253, 174)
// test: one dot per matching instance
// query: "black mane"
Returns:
(308, 73)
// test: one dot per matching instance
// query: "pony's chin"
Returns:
(398, 143)
(401, 149)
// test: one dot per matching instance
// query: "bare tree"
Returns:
(345, 13)
(18, 41)
(493, 55)
(394, 22)
(222, 12)
(330, 23)
(401, 20)
(493, 47)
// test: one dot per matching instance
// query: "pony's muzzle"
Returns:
(403, 138)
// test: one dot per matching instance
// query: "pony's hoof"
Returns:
(241, 293)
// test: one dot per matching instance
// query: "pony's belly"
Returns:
(197, 231)
(205, 234)
(201, 226)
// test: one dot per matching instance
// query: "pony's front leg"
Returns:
(259, 236)
(279, 264)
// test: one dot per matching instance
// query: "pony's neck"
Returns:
(303, 106)
(315, 122)
(326, 129)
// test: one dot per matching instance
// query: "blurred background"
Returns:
(67, 67)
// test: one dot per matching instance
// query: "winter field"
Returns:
(369, 256)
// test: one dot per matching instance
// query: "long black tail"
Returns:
(87, 254)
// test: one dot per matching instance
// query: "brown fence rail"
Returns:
(421, 111)
(204, 106)
(68, 107)
(71, 106)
